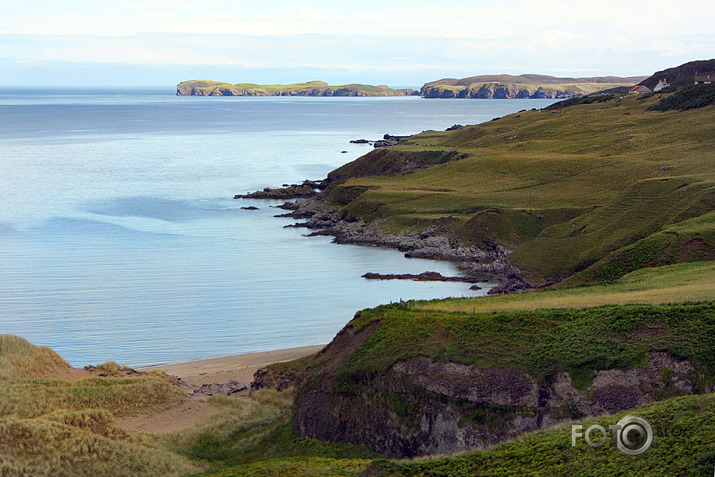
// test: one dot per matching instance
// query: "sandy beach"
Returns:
(239, 367)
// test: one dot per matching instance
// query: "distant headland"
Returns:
(522, 86)
(484, 87)
(312, 88)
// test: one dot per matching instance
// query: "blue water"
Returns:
(120, 240)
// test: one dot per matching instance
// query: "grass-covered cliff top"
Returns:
(312, 88)
(589, 191)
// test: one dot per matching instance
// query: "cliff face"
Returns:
(496, 91)
(424, 405)
(522, 86)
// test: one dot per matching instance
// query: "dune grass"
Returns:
(49, 426)
(19, 358)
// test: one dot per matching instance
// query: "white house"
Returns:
(661, 84)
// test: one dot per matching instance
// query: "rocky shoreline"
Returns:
(433, 242)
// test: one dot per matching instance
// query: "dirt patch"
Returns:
(179, 417)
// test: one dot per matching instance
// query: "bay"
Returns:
(119, 239)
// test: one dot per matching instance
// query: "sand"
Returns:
(204, 371)
(177, 418)
(239, 367)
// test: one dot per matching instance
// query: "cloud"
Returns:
(455, 36)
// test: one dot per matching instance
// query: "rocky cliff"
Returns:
(409, 385)
(523, 86)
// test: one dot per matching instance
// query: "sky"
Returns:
(399, 43)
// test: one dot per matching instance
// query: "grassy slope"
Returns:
(684, 431)
(54, 427)
(575, 339)
(539, 342)
(563, 189)
(668, 284)
(274, 89)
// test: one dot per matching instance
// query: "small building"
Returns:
(639, 90)
(706, 78)
(661, 84)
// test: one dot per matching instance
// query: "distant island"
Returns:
(522, 86)
(311, 88)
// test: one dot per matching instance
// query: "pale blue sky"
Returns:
(400, 43)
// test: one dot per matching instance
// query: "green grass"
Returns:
(562, 189)
(253, 430)
(542, 343)
(667, 284)
(684, 430)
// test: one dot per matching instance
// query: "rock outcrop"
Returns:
(424, 407)
(433, 242)
(307, 189)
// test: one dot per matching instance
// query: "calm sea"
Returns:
(120, 240)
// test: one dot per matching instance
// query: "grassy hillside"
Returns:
(684, 435)
(667, 284)
(58, 421)
(312, 88)
(580, 341)
(594, 190)
(54, 424)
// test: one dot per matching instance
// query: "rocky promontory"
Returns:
(311, 88)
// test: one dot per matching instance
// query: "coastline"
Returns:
(238, 367)
(435, 242)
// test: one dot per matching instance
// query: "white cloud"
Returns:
(469, 37)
